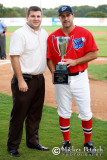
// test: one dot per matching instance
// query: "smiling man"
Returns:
(81, 49)
(28, 59)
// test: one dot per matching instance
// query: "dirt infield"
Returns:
(98, 89)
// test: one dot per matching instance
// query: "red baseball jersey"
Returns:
(80, 43)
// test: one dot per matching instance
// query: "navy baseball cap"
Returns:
(65, 9)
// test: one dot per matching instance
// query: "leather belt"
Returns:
(36, 76)
(32, 76)
(75, 74)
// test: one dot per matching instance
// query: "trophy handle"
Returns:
(72, 37)
(53, 43)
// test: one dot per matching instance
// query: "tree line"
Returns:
(79, 11)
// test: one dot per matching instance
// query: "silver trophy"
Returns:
(61, 73)
(62, 43)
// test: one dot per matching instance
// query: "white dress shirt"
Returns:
(31, 46)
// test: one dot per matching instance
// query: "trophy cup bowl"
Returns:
(61, 73)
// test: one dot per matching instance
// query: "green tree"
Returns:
(102, 8)
(96, 14)
(10, 12)
(1, 10)
(82, 10)
(21, 11)
(50, 12)
(79, 11)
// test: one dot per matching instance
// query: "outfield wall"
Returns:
(56, 21)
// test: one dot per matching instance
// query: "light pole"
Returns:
(41, 6)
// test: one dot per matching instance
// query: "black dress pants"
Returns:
(26, 106)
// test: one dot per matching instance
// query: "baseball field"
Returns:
(50, 134)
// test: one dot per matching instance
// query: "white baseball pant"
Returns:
(78, 87)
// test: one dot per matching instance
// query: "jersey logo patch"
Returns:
(78, 43)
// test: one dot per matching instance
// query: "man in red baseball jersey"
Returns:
(80, 50)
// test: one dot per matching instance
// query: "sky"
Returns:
(50, 3)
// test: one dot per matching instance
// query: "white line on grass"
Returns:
(101, 59)
(4, 62)
(8, 61)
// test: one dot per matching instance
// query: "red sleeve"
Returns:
(90, 43)
(49, 48)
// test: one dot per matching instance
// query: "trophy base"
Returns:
(61, 75)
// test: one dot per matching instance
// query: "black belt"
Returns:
(32, 76)
(37, 76)
(75, 74)
(28, 77)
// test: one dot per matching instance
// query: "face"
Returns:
(34, 19)
(66, 19)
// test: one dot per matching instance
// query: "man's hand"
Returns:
(85, 59)
(2, 34)
(23, 87)
(70, 62)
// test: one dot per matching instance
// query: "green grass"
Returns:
(94, 28)
(7, 43)
(101, 40)
(50, 135)
(12, 29)
(53, 28)
(98, 72)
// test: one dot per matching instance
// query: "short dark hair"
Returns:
(33, 8)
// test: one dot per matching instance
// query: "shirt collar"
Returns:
(32, 30)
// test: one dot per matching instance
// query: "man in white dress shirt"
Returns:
(28, 59)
